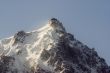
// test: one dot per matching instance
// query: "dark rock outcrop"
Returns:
(20, 37)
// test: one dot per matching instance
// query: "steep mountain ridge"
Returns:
(50, 49)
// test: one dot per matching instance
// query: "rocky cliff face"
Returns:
(50, 49)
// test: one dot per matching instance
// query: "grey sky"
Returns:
(88, 20)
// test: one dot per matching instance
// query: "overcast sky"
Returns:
(88, 20)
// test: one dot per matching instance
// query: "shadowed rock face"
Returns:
(67, 59)
(5, 63)
(68, 55)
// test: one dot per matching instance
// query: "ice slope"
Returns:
(28, 46)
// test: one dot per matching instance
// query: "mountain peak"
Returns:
(55, 23)
(50, 49)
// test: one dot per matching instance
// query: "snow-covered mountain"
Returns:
(50, 49)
